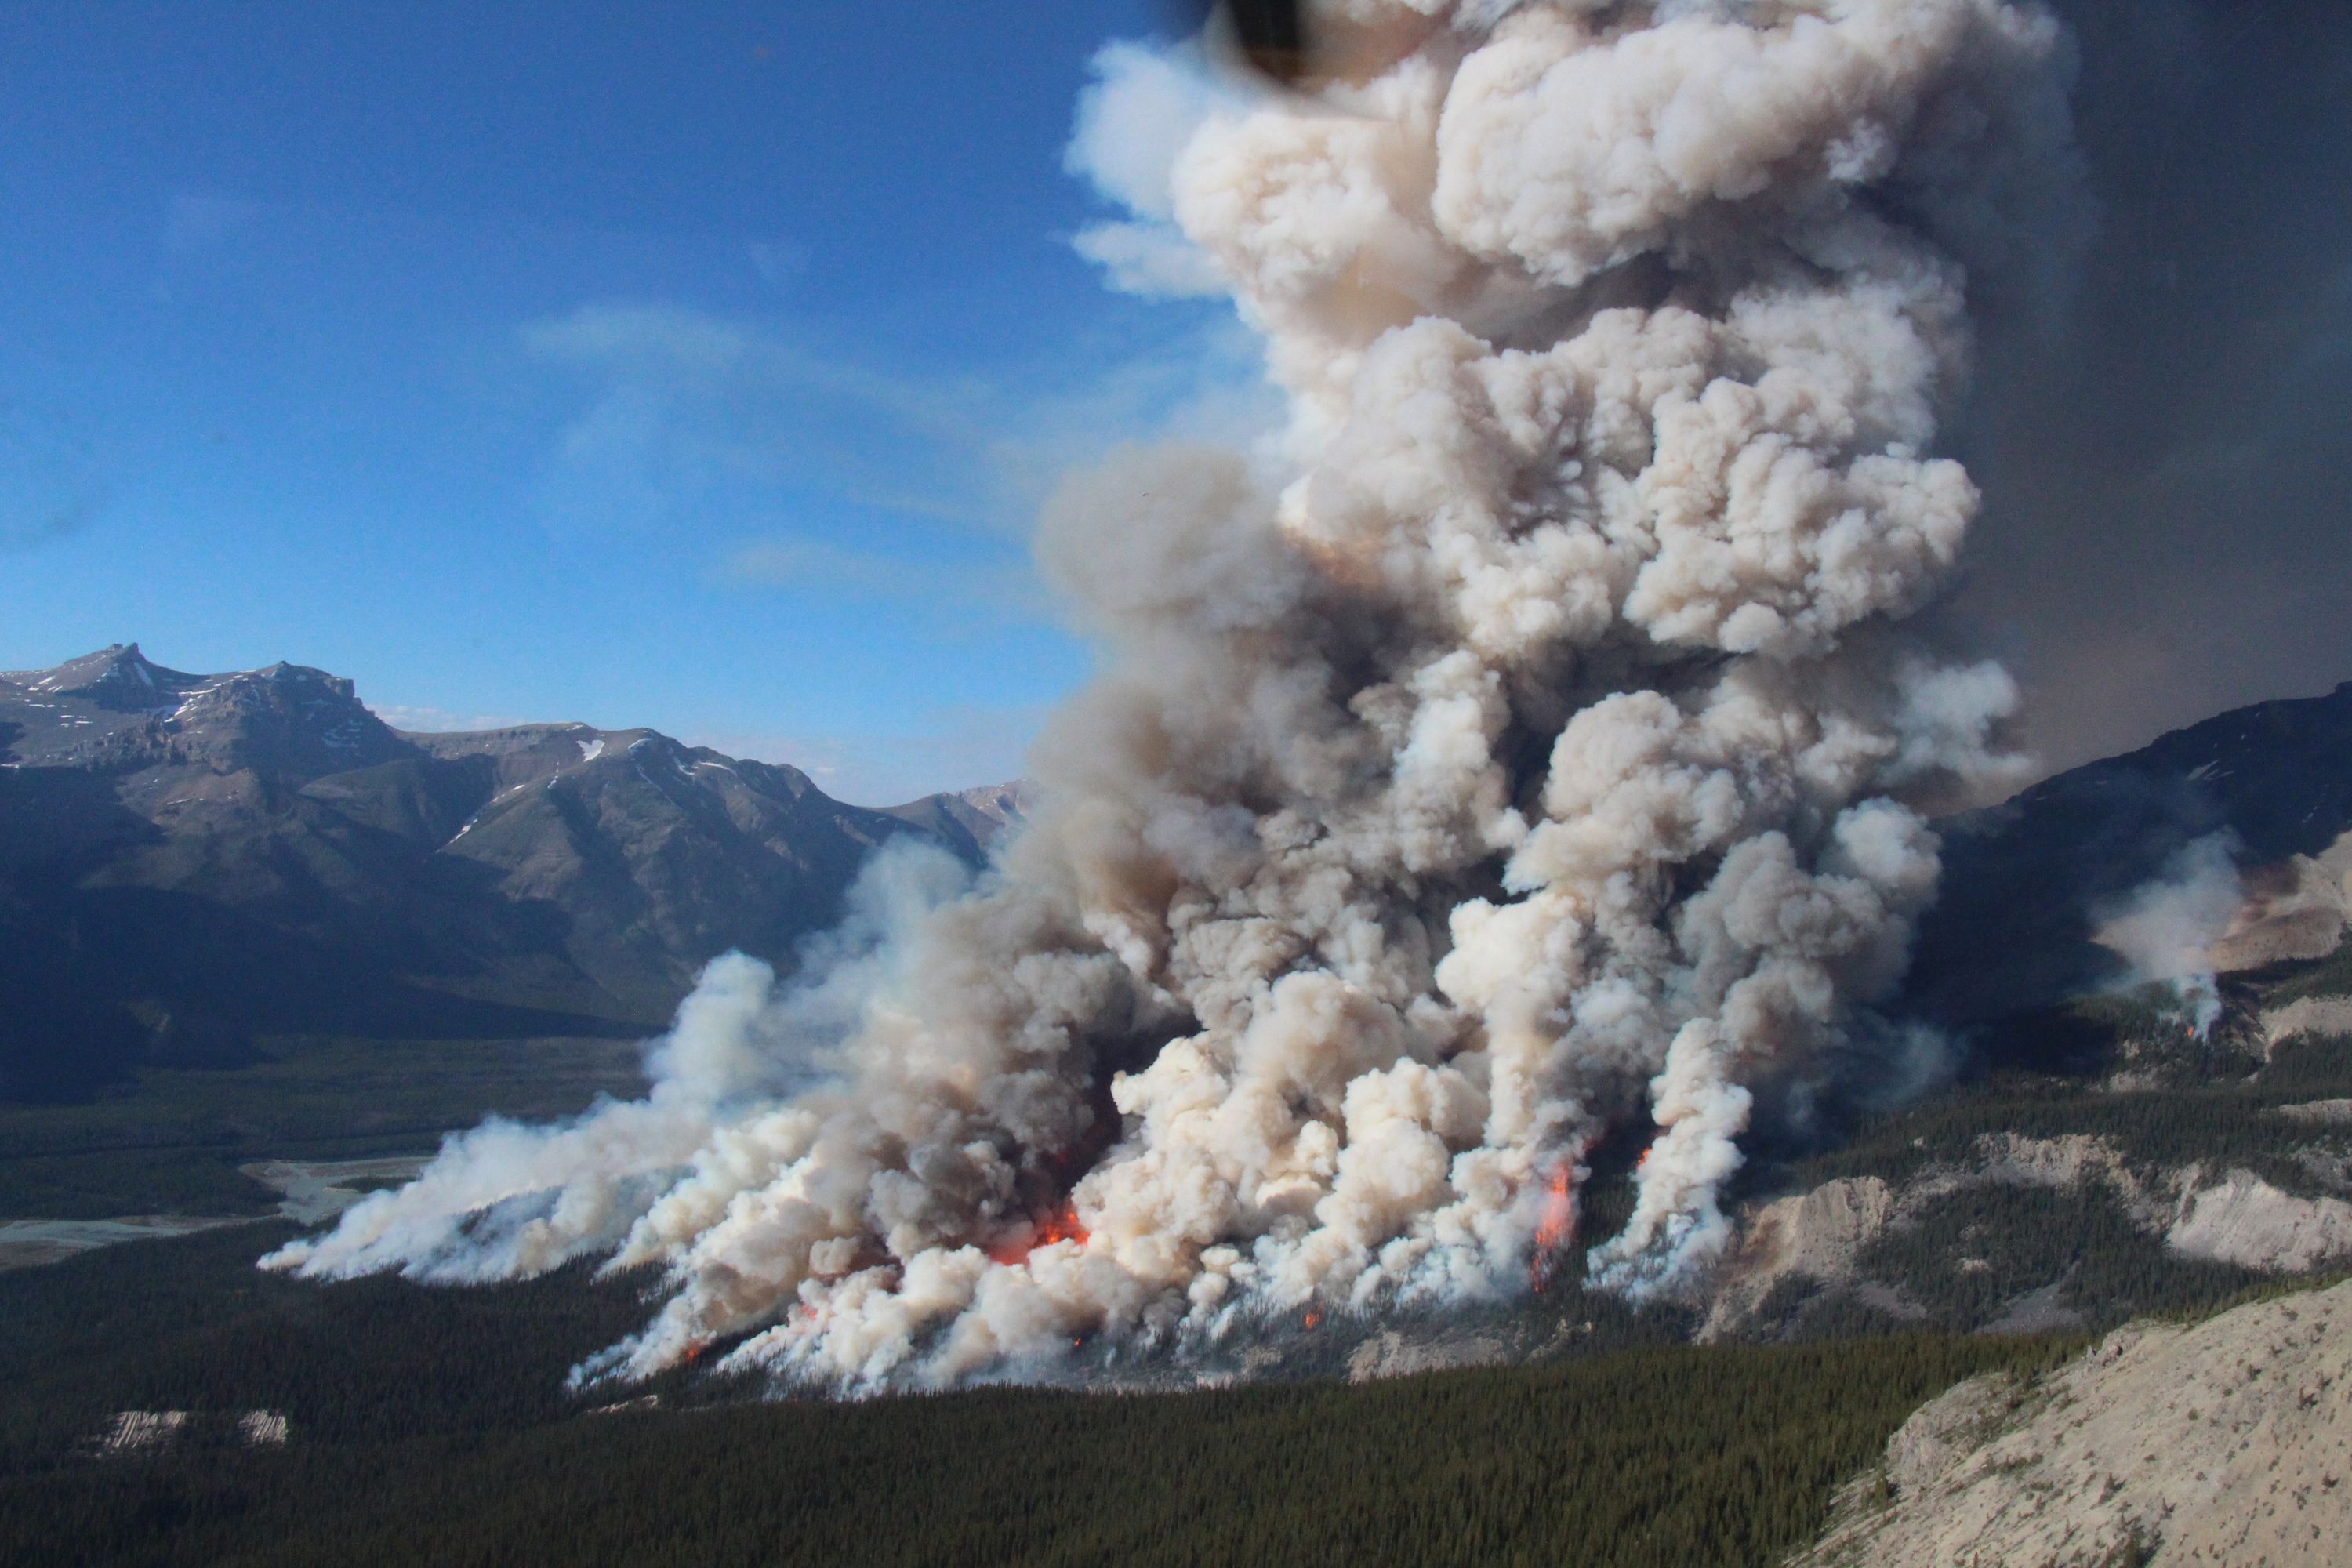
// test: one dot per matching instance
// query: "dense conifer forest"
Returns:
(433, 1427)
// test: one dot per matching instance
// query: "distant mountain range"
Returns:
(189, 860)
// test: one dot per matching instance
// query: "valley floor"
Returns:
(29, 1243)
(311, 1191)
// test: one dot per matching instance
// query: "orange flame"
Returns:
(1313, 1317)
(1555, 1226)
(1063, 1225)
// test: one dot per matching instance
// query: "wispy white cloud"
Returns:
(737, 430)
(652, 341)
(684, 407)
(957, 748)
(926, 752)
(428, 720)
(984, 592)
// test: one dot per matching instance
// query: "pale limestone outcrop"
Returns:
(2225, 1445)
(2240, 1219)
(1392, 1355)
(2319, 1112)
(2294, 909)
(2244, 1220)
(1818, 1234)
(2308, 1016)
(2015, 1159)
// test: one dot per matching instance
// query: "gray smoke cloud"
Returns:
(1532, 750)
(2188, 398)
(2169, 928)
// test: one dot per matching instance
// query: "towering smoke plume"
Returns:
(1535, 757)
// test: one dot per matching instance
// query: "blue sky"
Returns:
(692, 366)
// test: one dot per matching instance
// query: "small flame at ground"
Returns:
(1313, 1318)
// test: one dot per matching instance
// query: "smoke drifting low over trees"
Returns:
(1524, 749)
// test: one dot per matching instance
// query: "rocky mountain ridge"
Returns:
(2025, 882)
(201, 858)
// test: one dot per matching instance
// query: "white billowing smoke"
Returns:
(2169, 928)
(1134, 120)
(1539, 758)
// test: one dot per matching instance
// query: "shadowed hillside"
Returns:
(189, 861)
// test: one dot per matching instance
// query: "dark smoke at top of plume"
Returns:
(1528, 747)
(2163, 460)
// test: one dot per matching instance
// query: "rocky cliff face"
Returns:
(2225, 1443)
(205, 857)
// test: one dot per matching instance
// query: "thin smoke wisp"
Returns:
(1534, 755)
(2167, 928)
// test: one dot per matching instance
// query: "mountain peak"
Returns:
(116, 675)
(1007, 805)
(974, 820)
(283, 673)
(117, 705)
